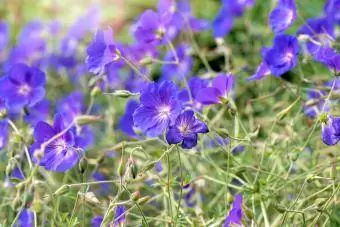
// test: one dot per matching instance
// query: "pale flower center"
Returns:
(164, 111)
(289, 56)
(184, 129)
(24, 89)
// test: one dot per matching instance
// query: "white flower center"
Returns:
(24, 89)
(289, 56)
(164, 111)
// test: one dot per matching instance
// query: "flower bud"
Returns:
(135, 196)
(145, 61)
(133, 169)
(124, 94)
(144, 200)
(120, 169)
(95, 91)
(82, 165)
(62, 190)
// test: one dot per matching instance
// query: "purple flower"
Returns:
(118, 220)
(282, 57)
(313, 110)
(71, 107)
(25, 219)
(62, 153)
(96, 221)
(4, 35)
(23, 86)
(38, 112)
(185, 130)
(119, 216)
(153, 28)
(332, 10)
(3, 133)
(219, 90)
(183, 67)
(329, 57)
(196, 25)
(159, 107)
(105, 187)
(261, 72)
(195, 85)
(236, 213)
(126, 121)
(223, 23)
(283, 15)
(101, 51)
(238, 7)
(189, 191)
(331, 131)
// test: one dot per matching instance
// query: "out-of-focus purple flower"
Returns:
(332, 10)
(71, 106)
(329, 57)
(126, 121)
(159, 107)
(61, 154)
(223, 23)
(101, 51)
(283, 15)
(282, 56)
(220, 89)
(104, 188)
(96, 221)
(238, 149)
(235, 214)
(238, 7)
(159, 167)
(183, 67)
(189, 194)
(155, 27)
(38, 112)
(195, 85)
(135, 83)
(25, 219)
(17, 173)
(3, 133)
(23, 86)
(320, 30)
(119, 216)
(4, 35)
(196, 25)
(261, 72)
(331, 131)
(313, 110)
(185, 130)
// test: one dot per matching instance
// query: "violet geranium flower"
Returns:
(23, 86)
(282, 56)
(159, 107)
(62, 153)
(126, 121)
(101, 51)
(282, 16)
(185, 130)
(3, 133)
(235, 214)
(331, 131)
(219, 90)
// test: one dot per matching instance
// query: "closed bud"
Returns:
(62, 190)
(144, 200)
(149, 166)
(123, 94)
(120, 169)
(145, 61)
(134, 169)
(95, 91)
(135, 196)
(82, 165)
(87, 119)
(281, 115)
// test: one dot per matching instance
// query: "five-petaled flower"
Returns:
(185, 130)
(23, 86)
(283, 15)
(331, 131)
(158, 109)
(61, 152)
